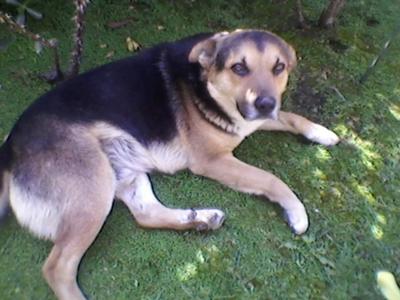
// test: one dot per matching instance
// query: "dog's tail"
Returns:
(5, 161)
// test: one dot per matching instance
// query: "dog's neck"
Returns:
(210, 109)
(214, 118)
(202, 100)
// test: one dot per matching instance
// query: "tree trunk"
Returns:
(329, 15)
(301, 21)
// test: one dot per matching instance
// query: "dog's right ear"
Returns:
(204, 51)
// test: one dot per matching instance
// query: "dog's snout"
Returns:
(265, 104)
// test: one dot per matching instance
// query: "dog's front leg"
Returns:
(149, 212)
(299, 125)
(246, 178)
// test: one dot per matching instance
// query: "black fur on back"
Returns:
(133, 94)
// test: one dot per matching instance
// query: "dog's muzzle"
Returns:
(264, 107)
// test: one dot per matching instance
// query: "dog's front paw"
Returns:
(207, 219)
(322, 135)
(297, 220)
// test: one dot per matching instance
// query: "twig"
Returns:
(15, 27)
(76, 54)
(338, 93)
(381, 53)
(187, 292)
(51, 43)
(119, 24)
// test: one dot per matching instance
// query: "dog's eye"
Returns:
(240, 69)
(278, 68)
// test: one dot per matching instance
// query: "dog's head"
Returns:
(246, 71)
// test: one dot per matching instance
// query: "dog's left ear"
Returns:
(292, 59)
(204, 51)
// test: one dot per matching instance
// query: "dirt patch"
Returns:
(337, 45)
(307, 100)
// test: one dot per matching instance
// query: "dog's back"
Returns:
(133, 94)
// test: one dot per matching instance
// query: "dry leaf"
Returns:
(388, 286)
(110, 54)
(132, 45)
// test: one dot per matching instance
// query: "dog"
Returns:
(179, 105)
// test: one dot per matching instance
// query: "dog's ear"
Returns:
(292, 59)
(204, 51)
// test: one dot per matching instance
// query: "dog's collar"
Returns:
(215, 119)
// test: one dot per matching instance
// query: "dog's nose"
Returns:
(265, 104)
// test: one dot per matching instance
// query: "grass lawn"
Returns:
(351, 191)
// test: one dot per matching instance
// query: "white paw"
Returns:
(297, 219)
(322, 135)
(207, 219)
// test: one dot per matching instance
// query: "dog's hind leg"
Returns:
(61, 266)
(150, 213)
(90, 200)
(61, 188)
(78, 230)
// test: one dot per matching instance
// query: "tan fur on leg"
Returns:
(150, 213)
(299, 125)
(245, 178)
(61, 267)
(77, 233)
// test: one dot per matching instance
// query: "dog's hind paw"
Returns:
(322, 135)
(297, 220)
(207, 219)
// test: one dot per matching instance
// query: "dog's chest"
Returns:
(166, 158)
(128, 156)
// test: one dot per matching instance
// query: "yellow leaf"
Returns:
(387, 285)
(132, 45)
(110, 54)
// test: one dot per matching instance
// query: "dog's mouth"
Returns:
(250, 113)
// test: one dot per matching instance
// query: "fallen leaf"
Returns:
(110, 54)
(132, 45)
(388, 286)
(323, 260)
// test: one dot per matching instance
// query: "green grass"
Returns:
(351, 191)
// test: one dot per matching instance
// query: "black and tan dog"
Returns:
(178, 105)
